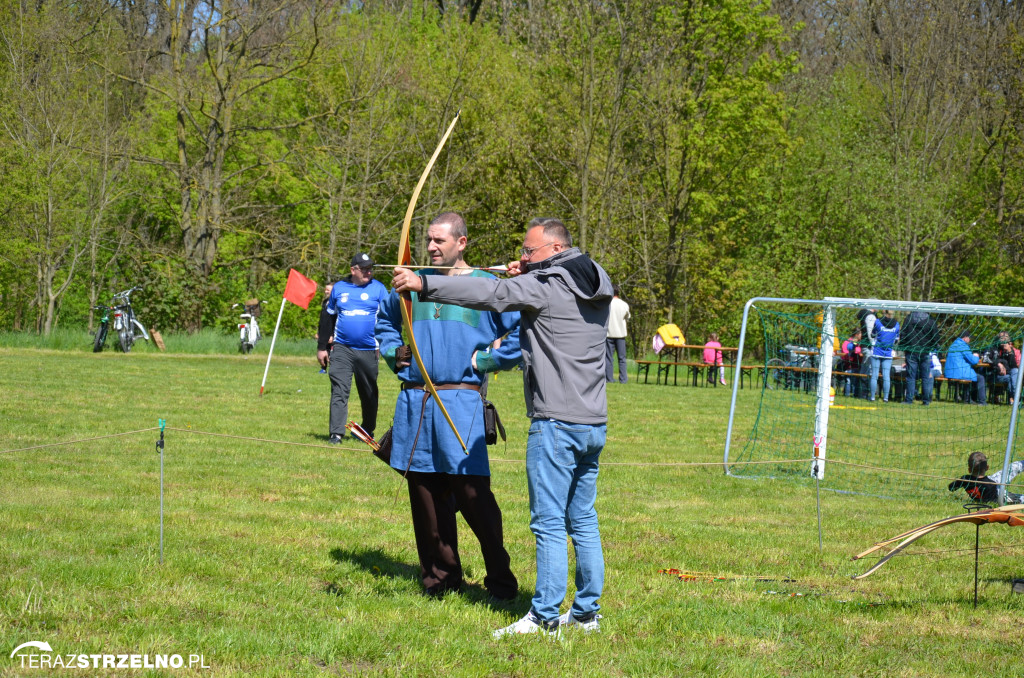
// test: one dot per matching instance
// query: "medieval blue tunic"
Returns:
(447, 336)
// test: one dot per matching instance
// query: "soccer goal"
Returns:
(815, 402)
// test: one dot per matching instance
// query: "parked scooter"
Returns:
(249, 330)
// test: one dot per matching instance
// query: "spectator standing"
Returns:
(867, 319)
(616, 341)
(441, 477)
(887, 333)
(564, 297)
(713, 359)
(346, 345)
(918, 339)
(960, 362)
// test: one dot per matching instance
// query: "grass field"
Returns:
(298, 560)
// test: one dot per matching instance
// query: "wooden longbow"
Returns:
(405, 257)
(1012, 515)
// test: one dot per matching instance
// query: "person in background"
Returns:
(867, 319)
(323, 305)
(616, 340)
(1006, 363)
(918, 339)
(349, 317)
(850, 356)
(713, 359)
(982, 487)
(960, 362)
(887, 333)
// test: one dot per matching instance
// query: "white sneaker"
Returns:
(592, 625)
(529, 624)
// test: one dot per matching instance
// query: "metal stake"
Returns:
(817, 499)
(977, 537)
(160, 451)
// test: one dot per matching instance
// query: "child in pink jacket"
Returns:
(713, 358)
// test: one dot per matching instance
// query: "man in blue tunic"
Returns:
(349, 316)
(443, 478)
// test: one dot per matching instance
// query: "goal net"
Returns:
(813, 376)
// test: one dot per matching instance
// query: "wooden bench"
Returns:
(665, 366)
(951, 393)
(746, 372)
(794, 369)
(645, 367)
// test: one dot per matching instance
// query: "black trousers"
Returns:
(435, 498)
(347, 363)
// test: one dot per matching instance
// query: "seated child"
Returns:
(850, 358)
(982, 487)
(713, 358)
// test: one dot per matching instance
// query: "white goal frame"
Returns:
(828, 307)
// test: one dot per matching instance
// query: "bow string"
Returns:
(405, 257)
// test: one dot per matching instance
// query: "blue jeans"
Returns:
(611, 347)
(979, 389)
(561, 472)
(849, 386)
(919, 366)
(1009, 379)
(885, 366)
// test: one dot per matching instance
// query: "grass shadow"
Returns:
(380, 564)
(377, 563)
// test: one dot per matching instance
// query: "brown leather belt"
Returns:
(409, 386)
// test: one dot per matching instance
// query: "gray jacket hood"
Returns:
(579, 272)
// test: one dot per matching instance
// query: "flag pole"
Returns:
(272, 341)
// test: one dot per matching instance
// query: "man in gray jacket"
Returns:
(564, 300)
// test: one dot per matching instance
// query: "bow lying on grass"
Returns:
(1012, 515)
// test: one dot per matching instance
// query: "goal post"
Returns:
(791, 348)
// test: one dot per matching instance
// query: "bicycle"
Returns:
(125, 323)
(791, 372)
(249, 330)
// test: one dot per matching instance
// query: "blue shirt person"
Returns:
(886, 332)
(346, 335)
(960, 362)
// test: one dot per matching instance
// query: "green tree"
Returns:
(217, 61)
(713, 122)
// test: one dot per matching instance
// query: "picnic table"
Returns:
(672, 358)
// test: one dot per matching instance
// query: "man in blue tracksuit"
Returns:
(349, 318)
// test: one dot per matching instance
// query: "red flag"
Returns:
(300, 290)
